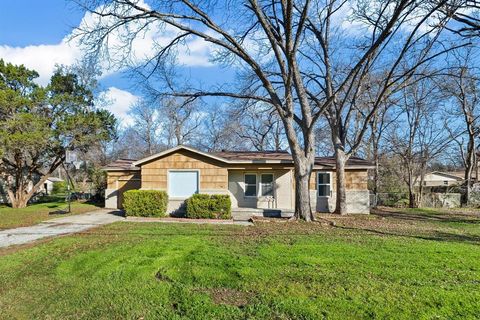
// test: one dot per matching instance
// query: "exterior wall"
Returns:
(437, 180)
(213, 176)
(118, 182)
(358, 199)
(216, 177)
(283, 194)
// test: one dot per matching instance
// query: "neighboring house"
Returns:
(254, 180)
(442, 179)
(48, 184)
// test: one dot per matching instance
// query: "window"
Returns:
(182, 184)
(323, 183)
(250, 185)
(266, 185)
(445, 182)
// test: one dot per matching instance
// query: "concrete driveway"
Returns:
(58, 226)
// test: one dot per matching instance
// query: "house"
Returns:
(48, 185)
(442, 179)
(255, 181)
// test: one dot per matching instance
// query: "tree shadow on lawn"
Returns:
(456, 217)
(432, 235)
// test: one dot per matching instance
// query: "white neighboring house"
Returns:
(442, 179)
(48, 185)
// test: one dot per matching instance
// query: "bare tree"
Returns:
(146, 124)
(259, 126)
(383, 118)
(461, 88)
(181, 121)
(286, 50)
(219, 132)
(419, 138)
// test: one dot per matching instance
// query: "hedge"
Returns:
(145, 203)
(205, 206)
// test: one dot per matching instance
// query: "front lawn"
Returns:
(401, 265)
(35, 213)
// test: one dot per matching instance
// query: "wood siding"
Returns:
(122, 181)
(114, 176)
(212, 175)
(355, 179)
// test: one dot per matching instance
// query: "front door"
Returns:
(324, 191)
(266, 197)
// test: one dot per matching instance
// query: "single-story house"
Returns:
(48, 185)
(442, 179)
(254, 180)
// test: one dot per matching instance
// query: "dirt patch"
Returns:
(161, 276)
(228, 296)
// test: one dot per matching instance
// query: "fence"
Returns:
(430, 199)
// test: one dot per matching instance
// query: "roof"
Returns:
(54, 179)
(456, 175)
(253, 155)
(121, 165)
(237, 157)
(284, 156)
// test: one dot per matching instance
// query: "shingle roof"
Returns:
(240, 156)
(285, 156)
(253, 155)
(121, 164)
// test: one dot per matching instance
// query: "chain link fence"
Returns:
(429, 199)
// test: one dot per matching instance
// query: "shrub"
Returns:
(145, 203)
(402, 203)
(204, 206)
(59, 187)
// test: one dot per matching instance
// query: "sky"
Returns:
(35, 33)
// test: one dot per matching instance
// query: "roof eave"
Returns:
(163, 153)
(120, 169)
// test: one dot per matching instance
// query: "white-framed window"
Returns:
(323, 184)
(266, 184)
(182, 183)
(250, 180)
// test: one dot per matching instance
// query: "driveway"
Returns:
(58, 226)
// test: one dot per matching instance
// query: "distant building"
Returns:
(442, 179)
(48, 185)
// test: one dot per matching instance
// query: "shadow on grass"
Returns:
(433, 236)
(430, 216)
(58, 212)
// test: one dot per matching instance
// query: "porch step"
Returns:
(245, 214)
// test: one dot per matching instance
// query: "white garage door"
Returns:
(182, 184)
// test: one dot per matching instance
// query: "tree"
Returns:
(181, 120)
(39, 124)
(219, 132)
(417, 139)
(462, 89)
(285, 51)
(259, 126)
(147, 124)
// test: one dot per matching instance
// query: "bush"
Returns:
(145, 203)
(402, 203)
(59, 188)
(204, 206)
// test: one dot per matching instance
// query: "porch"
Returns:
(245, 214)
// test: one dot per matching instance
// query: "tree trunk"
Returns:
(341, 201)
(303, 160)
(303, 209)
(18, 199)
(469, 164)
(411, 196)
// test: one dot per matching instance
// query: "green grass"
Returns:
(393, 265)
(35, 213)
